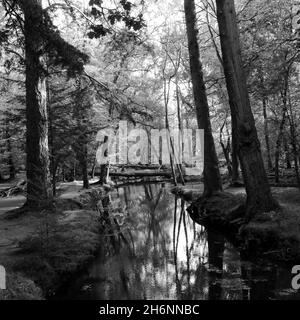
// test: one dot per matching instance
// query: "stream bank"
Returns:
(152, 249)
(41, 251)
(273, 235)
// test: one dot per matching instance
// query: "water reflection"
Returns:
(153, 250)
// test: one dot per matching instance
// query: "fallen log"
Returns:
(139, 174)
(19, 188)
(138, 167)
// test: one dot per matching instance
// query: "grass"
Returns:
(20, 288)
(54, 245)
(69, 242)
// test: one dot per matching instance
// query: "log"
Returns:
(19, 188)
(137, 167)
(138, 174)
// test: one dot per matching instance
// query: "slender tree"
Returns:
(212, 177)
(259, 197)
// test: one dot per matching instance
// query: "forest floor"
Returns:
(38, 252)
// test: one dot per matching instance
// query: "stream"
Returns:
(153, 250)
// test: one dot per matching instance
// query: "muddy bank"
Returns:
(42, 250)
(273, 235)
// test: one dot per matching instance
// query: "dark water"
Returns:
(153, 250)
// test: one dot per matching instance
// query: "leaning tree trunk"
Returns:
(259, 197)
(235, 161)
(212, 177)
(38, 177)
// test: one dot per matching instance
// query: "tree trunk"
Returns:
(11, 166)
(294, 142)
(265, 115)
(235, 173)
(103, 173)
(38, 176)
(51, 141)
(169, 141)
(295, 152)
(235, 161)
(212, 177)
(84, 167)
(288, 162)
(80, 147)
(280, 135)
(104, 167)
(266, 133)
(259, 197)
(226, 149)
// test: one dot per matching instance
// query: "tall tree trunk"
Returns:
(294, 141)
(295, 152)
(80, 146)
(51, 140)
(180, 168)
(280, 135)
(259, 197)
(11, 166)
(235, 160)
(169, 139)
(235, 173)
(266, 133)
(226, 149)
(38, 176)
(104, 167)
(84, 166)
(212, 177)
(288, 162)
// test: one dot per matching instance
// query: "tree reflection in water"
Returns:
(151, 249)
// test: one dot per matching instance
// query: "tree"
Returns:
(259, 197)
(40, 37)
(212, 177)
(38, 176)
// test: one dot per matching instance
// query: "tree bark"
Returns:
(84, 167)
(259, 197)
(80, 147)
(235, 161)
(280, 135)
(288, 162)
(294, 142)
(53, 165)
(226, 149)
(38, 176)
(264, 98)
(266, 132)
(212, 177)
(11, 166)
